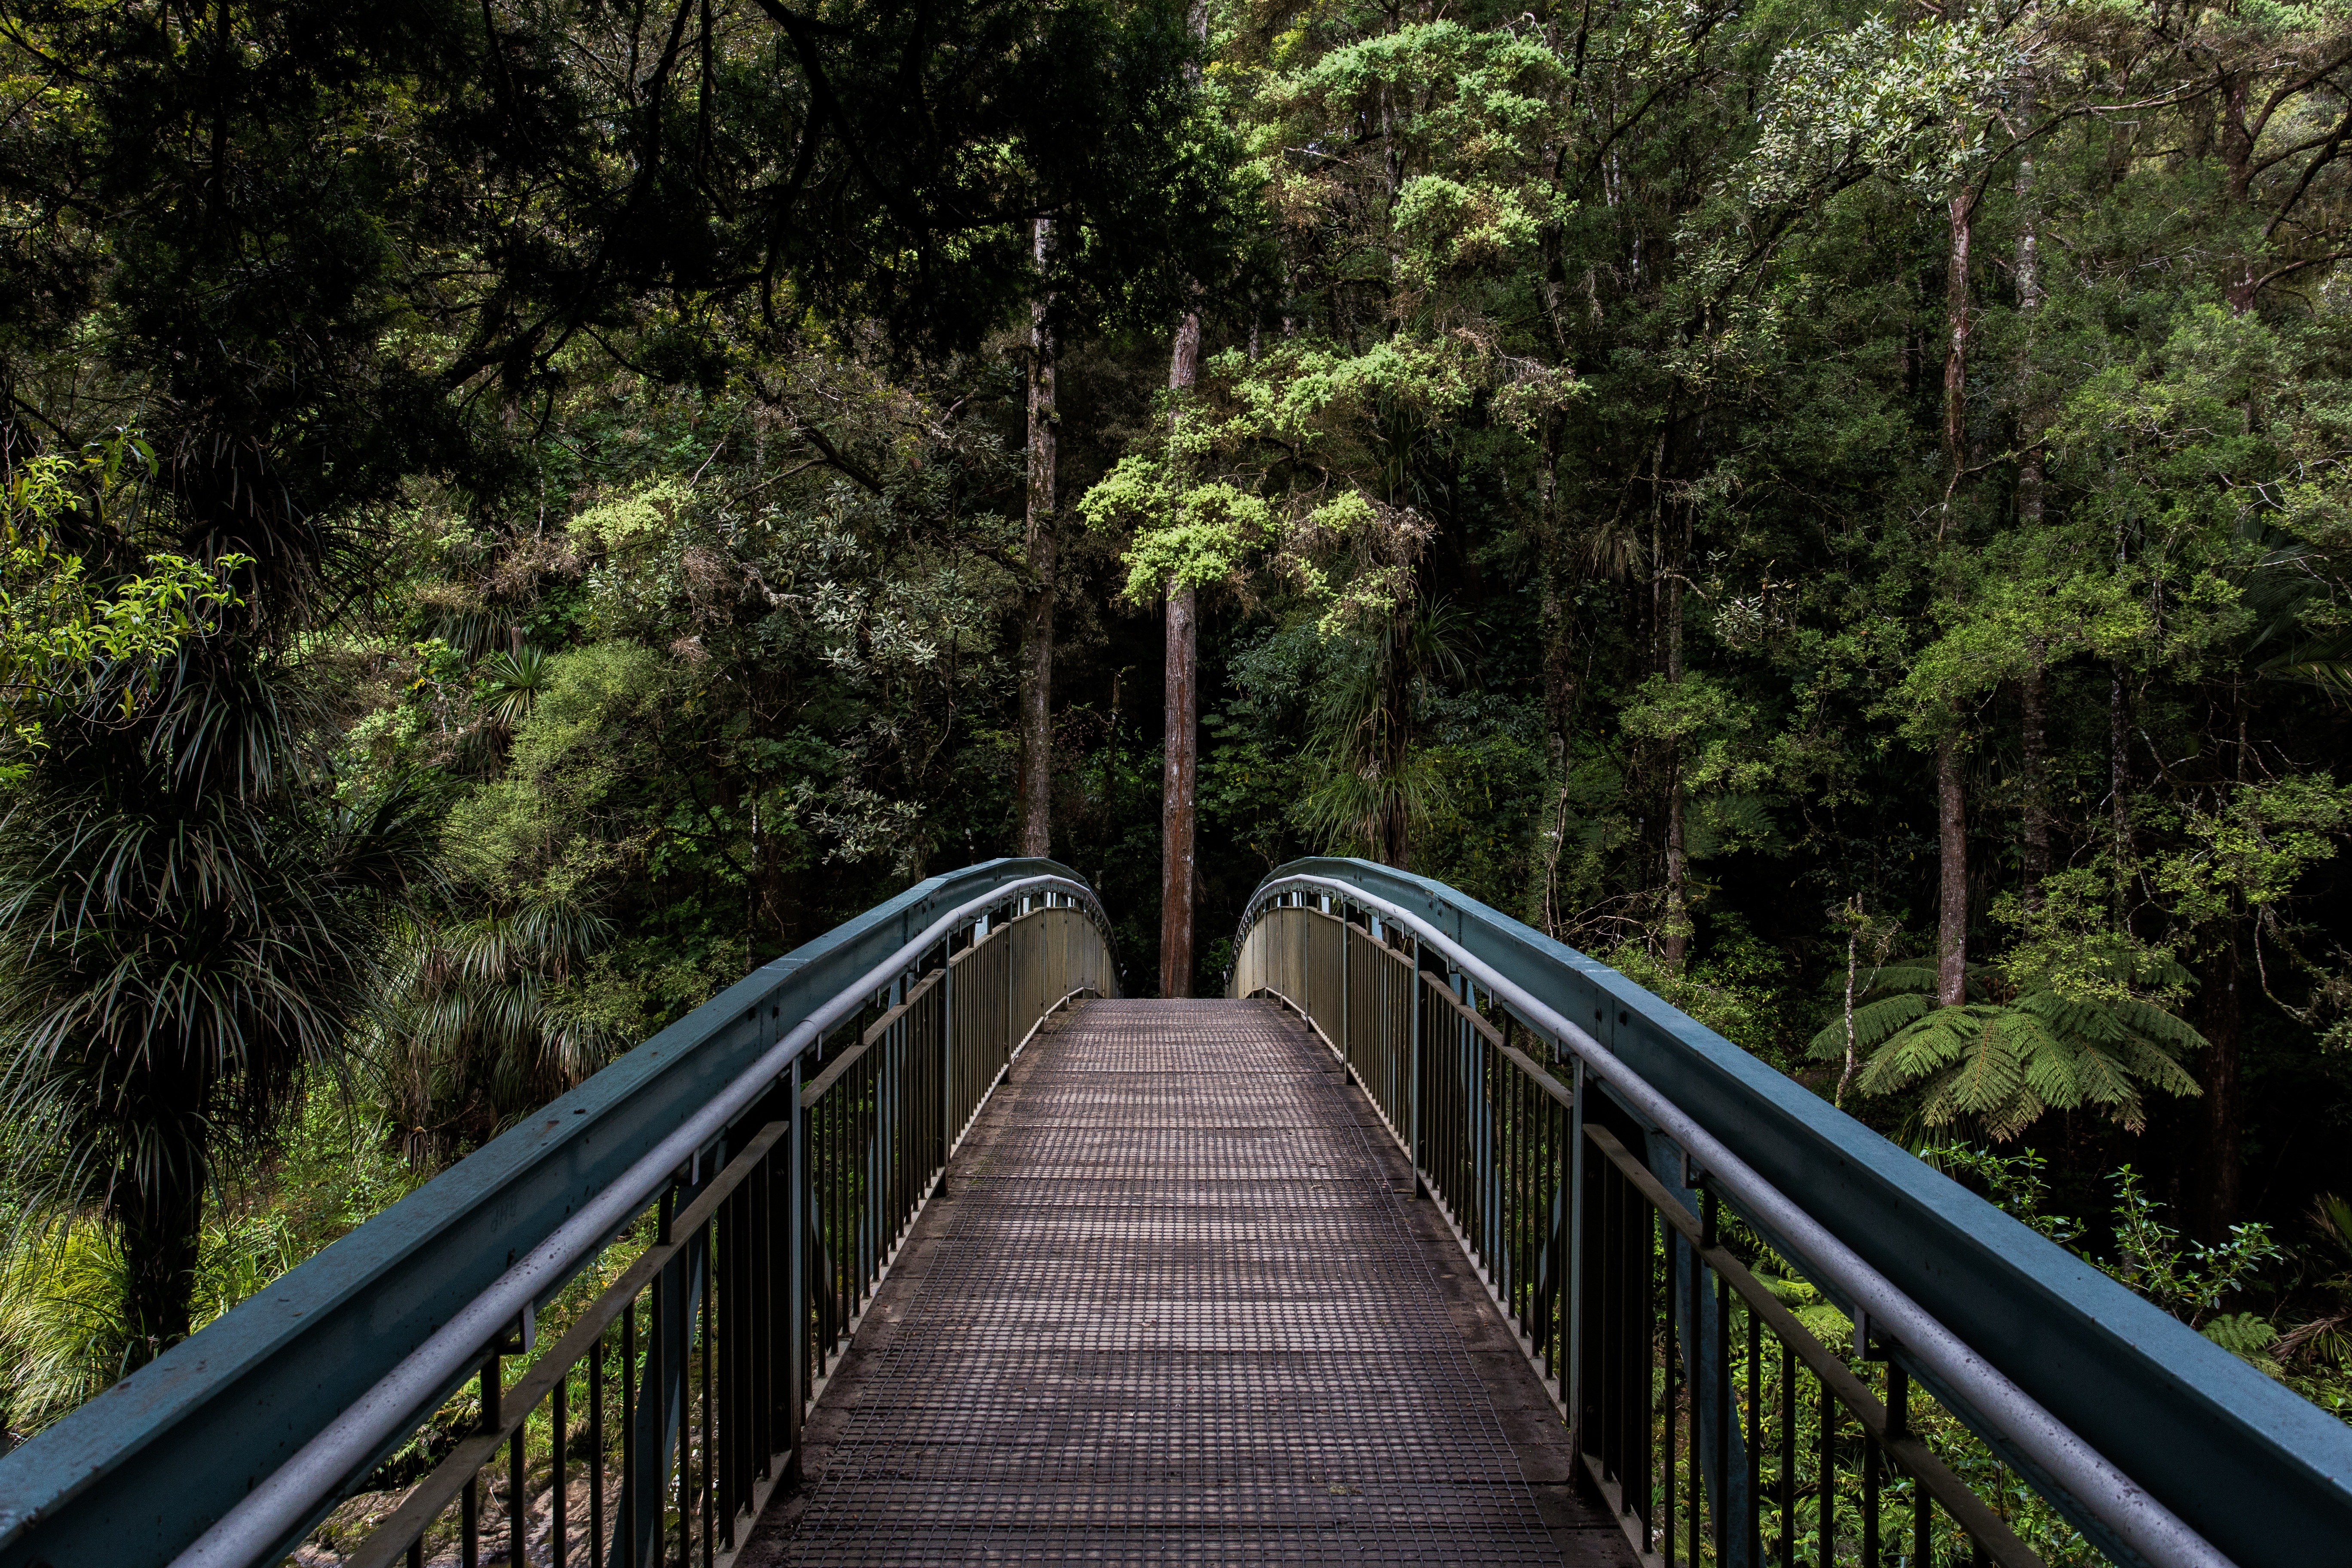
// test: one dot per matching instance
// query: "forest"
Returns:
(519, 513)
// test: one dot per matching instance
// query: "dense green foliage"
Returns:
(1840, 508)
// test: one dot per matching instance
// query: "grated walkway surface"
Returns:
(1173, 1311)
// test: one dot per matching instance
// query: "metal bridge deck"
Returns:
(1173, 1307)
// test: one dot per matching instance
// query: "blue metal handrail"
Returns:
(148, 1466)
(2209, 1459)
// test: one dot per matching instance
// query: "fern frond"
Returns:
(1900, 974)
(1990, 1074)
(1872, 1023)
(1916, 1050)
(2154, 1023)
(2153, 1064)
(2104, 1078)
(2051, 1065)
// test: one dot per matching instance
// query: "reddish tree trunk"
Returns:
(1959, 323)
(1179, 782)
(1952, 904)
(1180, 752)
(1036, 781)
(1678, 922)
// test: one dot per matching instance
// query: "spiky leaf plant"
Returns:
(482, 1019)
(1375, 783)
(189, 922)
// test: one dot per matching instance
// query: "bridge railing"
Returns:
(1620, 1174)
(698, 1226)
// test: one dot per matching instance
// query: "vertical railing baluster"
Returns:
(625, 1529)
(1869, 1498)
(1826, 1480)
(596, 1452)
(558, 1456)
(470, 1511)
(1755, 1509)
(1673, 1363)
(795, 1220)
(710, 1470)
(517, 1495)
(1788, 1455)
(1695, 1382)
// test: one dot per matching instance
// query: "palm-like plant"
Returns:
(1374, 784)
(2326, 1338)
(478, 1021)
(511, 682)
(1998, 1065)
(189, 922)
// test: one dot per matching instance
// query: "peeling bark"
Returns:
(1036, 781)
(1179, 775)
(1180, 768)
(1952, 901)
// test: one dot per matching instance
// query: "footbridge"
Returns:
(1432, 1241)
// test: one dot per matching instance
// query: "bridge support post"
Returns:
(796, 1297)
(1703, 1333)
(1569, 1278)
(947, 1054)
(1346, 993)
(1412, 1012)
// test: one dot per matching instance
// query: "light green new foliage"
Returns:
(57, 626)
(2252, 844)
(536, 825)
(1903, 102)
(1289, 464)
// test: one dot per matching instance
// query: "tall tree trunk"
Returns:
(1679, 924)
(1559, 695)
(1180, 751)
(1960, 324)
(1853, 923)
(1180, 774)
(2119, 767)
(2034, 694)
(1180, 771)
(1036, 792)
(1952, 901)
(2029, 306)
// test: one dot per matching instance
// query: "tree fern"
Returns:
(1998, 1066)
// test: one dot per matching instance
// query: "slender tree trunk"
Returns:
(1853, 968)
(1678, 923)
(2119, 766)
(1952, 903)
(1181, 749)
(2034, 694)
(1179, 781)
(1559, 680)
(1960, 324)
(161, 1227)
(1036, 791)
(1181, 768)
(2029, 306)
